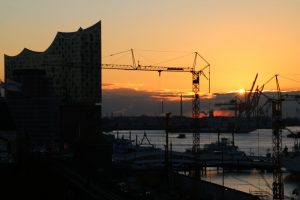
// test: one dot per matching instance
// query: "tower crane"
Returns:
(195, 84)
(277, 125)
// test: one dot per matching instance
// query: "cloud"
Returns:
(104, 85)
(226, 113)
(134, 102)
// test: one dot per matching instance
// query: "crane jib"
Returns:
(175, 68)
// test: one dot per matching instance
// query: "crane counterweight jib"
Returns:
(147, 68)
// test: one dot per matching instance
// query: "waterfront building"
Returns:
(55, 95)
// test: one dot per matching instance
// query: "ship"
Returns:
(222, 151)
(147, 156)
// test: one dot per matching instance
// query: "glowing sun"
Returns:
(241, 91)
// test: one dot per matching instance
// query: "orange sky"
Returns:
(238, 38)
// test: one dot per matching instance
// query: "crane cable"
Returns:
(172, 59)
(290, 79)
(163, 61)
(166, 51)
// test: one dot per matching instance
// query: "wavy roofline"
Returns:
(24, 51)
(58, 34)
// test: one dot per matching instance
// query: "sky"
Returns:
(238, 38)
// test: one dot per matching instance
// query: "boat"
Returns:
(125, 146)
(293, 135)
(181, 135)
(222, 150)
(144, 155)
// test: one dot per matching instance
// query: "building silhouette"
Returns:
(55, 95)
(72, 62)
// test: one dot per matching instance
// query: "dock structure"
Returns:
(187, 162)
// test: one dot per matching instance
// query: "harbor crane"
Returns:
(250, 103)
(248, 106)
(195, 84)
(277, 126)
(245, 105)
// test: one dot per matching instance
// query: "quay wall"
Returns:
(209, 190)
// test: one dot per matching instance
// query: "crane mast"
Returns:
(278, 189)
(195, 85)
(196, 112)
(276, 102)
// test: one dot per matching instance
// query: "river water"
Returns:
(258, 142)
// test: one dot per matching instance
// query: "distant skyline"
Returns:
(131, 102)
(238, 38)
